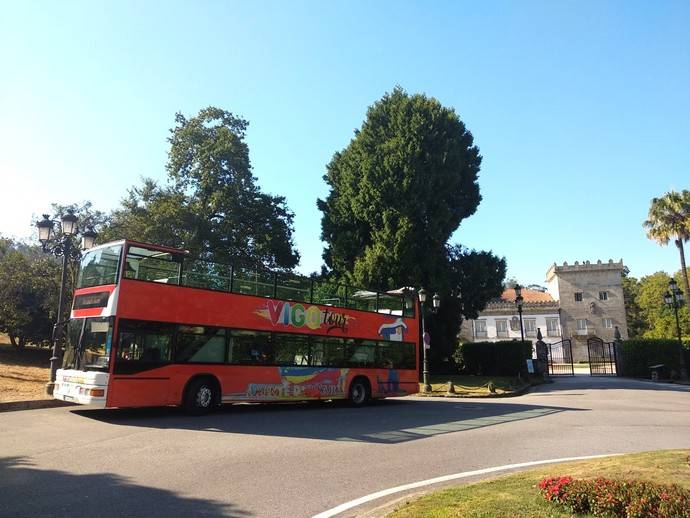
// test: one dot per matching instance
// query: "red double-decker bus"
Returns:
(150, 327)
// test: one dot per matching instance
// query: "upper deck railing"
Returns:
(164, 267)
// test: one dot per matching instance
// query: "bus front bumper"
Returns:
(81, 387)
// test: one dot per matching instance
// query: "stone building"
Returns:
(582, 300)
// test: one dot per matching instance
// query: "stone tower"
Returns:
(591, 300)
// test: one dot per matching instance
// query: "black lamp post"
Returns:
(61, 247)
(674, 298)
(518, 303)
(425, 366)
(426, 341)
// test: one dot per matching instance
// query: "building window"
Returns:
(480, 328)
(581, 324)
(608, 323)
(552, 327)
(502, 328)
(578, 296)
(531, 327)
(603, 295)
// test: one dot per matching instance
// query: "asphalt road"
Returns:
(298, 460)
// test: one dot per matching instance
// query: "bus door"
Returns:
(141, 374)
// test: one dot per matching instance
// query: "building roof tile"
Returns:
(528, 295)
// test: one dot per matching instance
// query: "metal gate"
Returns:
(602, 357)
(561, 358)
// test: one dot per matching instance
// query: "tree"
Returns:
(635, 320)
(659, 319)
(29, 283)
(211, 205)
(153, 214)
(398, 191)
(30, 280)
(475, 277)
(669, 218)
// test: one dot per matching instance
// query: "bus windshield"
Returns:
(88, 344)
(99, 267)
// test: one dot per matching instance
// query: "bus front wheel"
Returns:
(201, 396)
(360, 392)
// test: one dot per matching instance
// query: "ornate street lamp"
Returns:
(426, 340)
(422, 294)
(674, 299)
(88, 239)
(518, 303)
(61, 247)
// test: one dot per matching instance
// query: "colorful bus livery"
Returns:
(149, 327)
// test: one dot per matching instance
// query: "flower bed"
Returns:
(628, 499)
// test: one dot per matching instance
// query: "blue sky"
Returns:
(581, 109)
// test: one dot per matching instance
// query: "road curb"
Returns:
(518, 392)
(33, 404)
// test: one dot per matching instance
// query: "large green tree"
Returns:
(669, 219)
(211, 204)
(635, 319)
(659, 319)
(28, 297)
(397, 193)
(474, 277)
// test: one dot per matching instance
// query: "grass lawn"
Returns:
(517, 495)
(473, 385)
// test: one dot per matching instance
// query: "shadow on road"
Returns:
(26, 491)
(389, 421)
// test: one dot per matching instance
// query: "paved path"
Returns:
(299, 460)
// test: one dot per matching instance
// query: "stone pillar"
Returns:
(618, 344)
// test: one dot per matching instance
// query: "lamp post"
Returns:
(61, 247)
(426, 340)
(674, 299)
(518, 303)
(425, 366)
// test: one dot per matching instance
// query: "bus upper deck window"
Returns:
(152, 265)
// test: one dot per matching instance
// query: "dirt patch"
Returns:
(23, 372)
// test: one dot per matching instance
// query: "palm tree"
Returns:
(669, 218)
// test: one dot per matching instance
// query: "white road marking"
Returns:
(414, 485)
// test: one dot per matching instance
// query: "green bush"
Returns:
(638, 355)
(505, 358)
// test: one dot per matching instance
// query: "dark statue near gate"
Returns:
(542, 356)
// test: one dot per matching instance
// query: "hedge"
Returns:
(505, 358)
(636, 356)
(617, 498)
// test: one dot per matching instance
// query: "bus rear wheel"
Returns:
(201, 396)
(359, 393)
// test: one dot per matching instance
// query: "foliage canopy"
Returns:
(398, 191)
(211, 205)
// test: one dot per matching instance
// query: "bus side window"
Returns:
(146, 342)
(250, 347)
(199, 344)
(360, 353)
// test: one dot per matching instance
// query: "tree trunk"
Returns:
(684, 270)
(13, 339)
